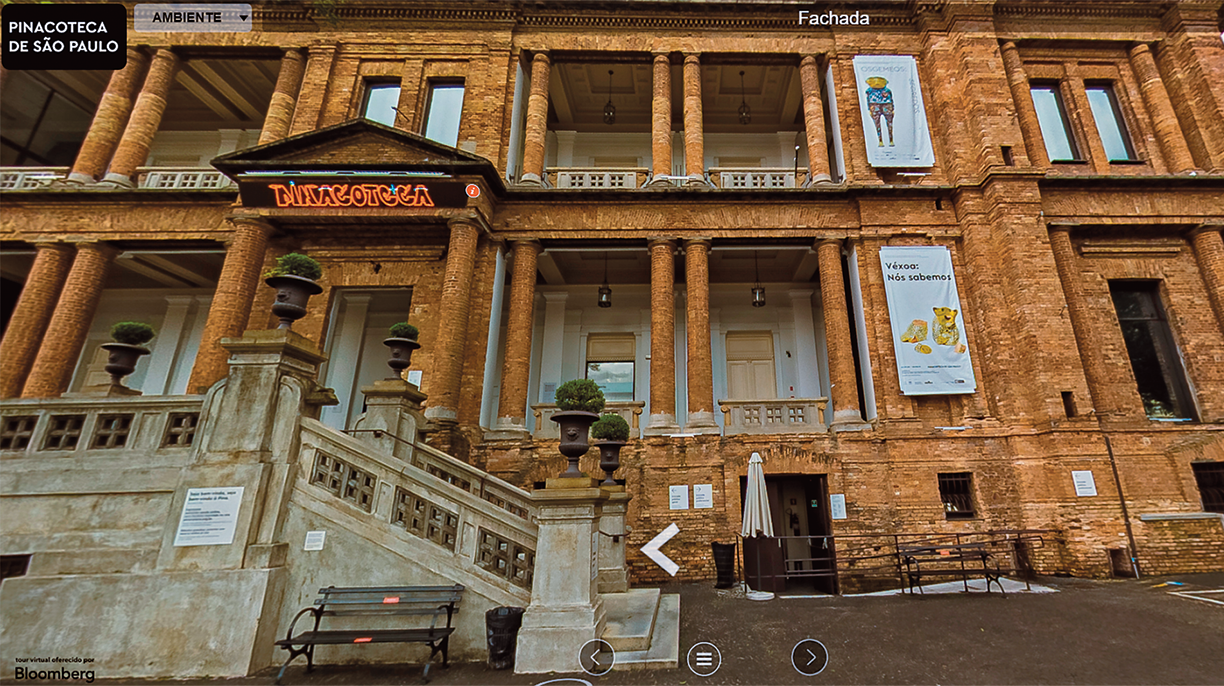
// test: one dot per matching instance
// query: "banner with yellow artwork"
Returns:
(894, 118)
(925, 313)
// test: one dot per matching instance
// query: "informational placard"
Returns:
(703, 496)
(837, 505)
(314, 540)
(414, 377)
(927, 323)
(894, 118)
(1085, 485)
(210, 516)
(677, 498)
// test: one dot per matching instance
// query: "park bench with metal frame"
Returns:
(431, 601)
(916, 556)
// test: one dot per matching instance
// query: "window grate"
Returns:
(112, 430)
(65, 432)
(505, 558)
(181, 429)
(956, 492)
(16, 432)
(1210, 478)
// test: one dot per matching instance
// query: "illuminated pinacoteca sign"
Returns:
(328, 192)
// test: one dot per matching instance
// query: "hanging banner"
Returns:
(924, 309)
(894, 119)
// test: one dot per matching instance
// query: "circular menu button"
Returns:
(596, 657)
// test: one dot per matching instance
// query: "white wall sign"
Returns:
(314, 540)
(927, 322)
(209, 517)
(414, 377)
(1085, 485)
(894, 118)
(703, 496)
(677, 498)
(837, 505)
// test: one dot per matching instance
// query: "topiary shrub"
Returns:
(610, 427)
(297, 264)
(132, 333)
(580, 395)
(404, 330)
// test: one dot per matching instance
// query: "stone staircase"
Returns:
(644, 628)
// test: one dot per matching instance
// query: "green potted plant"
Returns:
(580, 401)
(612, 431)
(129, 339)
(294, 280)
(402, 341)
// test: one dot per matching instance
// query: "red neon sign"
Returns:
(351, 195)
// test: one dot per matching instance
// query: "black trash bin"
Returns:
(724, 564)
(501, 629)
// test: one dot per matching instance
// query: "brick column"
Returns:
(70, 321)
(453, 320)
(310, 96)
(284, 97)
(842, 377)
(537, 121)
(1168, 130)
(697, 335)
(516, 368)
(662, 338)
(1209, 251)
(109, 120)
(813, 121)
(146, 117)
(1086, 339)
(661, 118)
(231, 303)
(1079, 110)
(32, 314)
(1026, 112)
(694, 145)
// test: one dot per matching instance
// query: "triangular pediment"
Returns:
(356, 145)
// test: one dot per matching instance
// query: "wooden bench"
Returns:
(376, 602)
(916, 556)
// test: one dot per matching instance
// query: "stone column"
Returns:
(109, 120)
(1168, 130)
(310, 96)
(1081, 318)
(697, 336)
(1209, 251)
(694, 145)
(1026, 112)
(661, 118)
(30, 317)
(813, 122)
(566, 610)
(284, 97)
(843, 381)
(662, 338)
(613, 574)
(453, 319)
(537, 121)
(231, 305)
(70, 321)
(146, 117)
(516, 368)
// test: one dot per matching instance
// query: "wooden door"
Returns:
(750, 366)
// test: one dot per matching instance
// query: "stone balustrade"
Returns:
(777, 416)
(598, 177)
(98, 426)
(547, 430)
(729, 178)
(29, 178)
(182, 178)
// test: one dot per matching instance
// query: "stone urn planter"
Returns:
(609, 459)
(294, 280)
(121, 360)
(401, 342)
(579, 400)
(612, 431)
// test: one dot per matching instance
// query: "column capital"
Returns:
(661, 55)
(696, 242)
(540, 56)
(838, 241)
(669, 241)
(1063, 226)
(101, 247)
(252, 220)
(320, 48)
(811, 58)
(462, 222)
(1139, 47)
(1206, 227)
(694, 57)
(532, 244)
(53, 245)
(1008, 45)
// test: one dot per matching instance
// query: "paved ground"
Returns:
(1090, 632)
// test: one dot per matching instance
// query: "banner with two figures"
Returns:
(894, 118)
(924, 309)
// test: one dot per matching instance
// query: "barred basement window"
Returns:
(955, 490)
(65, 432)
(112, 430)
(1210, 478)
(1153, 353)
(16, 432)
(181, 429)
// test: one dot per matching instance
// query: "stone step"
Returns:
(664, 651)
(631, 618)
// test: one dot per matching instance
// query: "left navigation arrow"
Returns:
(652, 549)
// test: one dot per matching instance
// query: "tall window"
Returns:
(1153, 354)
(1055, 128)
(41, 127)
(443, 113)
(381, 99)
(956, 492)
(609, 364)
(1109, 123)
(1210, 478)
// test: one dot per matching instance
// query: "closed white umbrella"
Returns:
(757, 521)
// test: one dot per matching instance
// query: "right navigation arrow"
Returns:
(652, 549)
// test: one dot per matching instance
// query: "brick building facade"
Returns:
(1078, 185)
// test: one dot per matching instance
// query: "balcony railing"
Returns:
(754, 179)
(547, 430)
(183, 178)
(29, 178)
(598, 177)
(780, 416)
(134, 430)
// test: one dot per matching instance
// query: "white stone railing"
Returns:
(547, 430)
(729, 178)
(777, 416)
(28, 178)
(463, 526)
(483, 485)
(598, 177)
(184, 178)
(46, 428)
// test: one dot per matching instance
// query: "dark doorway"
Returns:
(799, 509)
